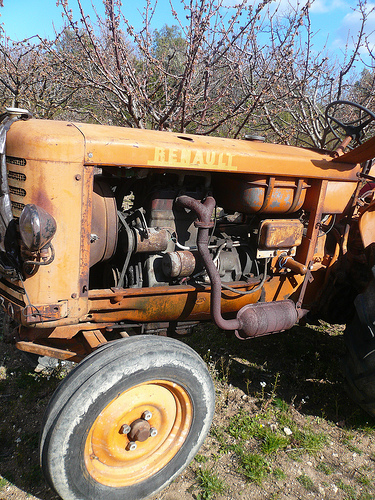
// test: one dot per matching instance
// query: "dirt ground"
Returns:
(288, 384)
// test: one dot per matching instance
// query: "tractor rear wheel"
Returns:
(359, 364)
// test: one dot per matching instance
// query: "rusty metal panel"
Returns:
(336, 200)
(45, 140)
(164, 303)
(53, 352)
(120, 146)
(53, 177)
(48, 312)
(94, 338)
(154, 149)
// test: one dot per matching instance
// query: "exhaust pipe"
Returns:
(252, 320)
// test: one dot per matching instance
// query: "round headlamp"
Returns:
(37, 227)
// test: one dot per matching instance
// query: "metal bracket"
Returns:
(309, 278)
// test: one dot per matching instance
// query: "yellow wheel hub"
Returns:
(110, 459)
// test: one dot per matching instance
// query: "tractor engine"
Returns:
(140, 236)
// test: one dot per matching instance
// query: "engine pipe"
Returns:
(204, 212)
(253, 319)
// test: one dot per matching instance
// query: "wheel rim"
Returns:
(107, 455)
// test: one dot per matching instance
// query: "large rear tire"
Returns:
(359, 364)
(127, 420)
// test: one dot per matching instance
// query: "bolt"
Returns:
(146, 415)
(125, 429)
(153, 432)
(131, 446)
(77, 177)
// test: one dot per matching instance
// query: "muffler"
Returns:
(263, 318)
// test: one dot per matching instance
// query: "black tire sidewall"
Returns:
(65, 439)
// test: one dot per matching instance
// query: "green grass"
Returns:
(279, 473)
(325, 468)
(254, 467)
(348, 490)
(243, 426)
(209, 482)
(273, 442)
(3, 483)
(310, 441)
(306, 482)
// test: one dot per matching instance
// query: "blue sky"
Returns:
(333, 20)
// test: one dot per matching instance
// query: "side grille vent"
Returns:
(17, 191)
(12, 160)
(18, 206)
(17, 176)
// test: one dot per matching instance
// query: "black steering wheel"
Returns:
(347, 119)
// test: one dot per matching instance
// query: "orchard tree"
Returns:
(30, 78)
(219, 69)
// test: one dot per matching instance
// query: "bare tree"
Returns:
(225, 71)
(31, 79)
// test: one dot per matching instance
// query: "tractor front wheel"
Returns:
(127, 420)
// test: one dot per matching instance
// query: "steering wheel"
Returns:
(347, 119)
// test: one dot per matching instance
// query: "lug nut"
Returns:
(131, 446)
(146, 415)
(153, 432)
(125, 429)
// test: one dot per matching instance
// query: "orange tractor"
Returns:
(113, 239)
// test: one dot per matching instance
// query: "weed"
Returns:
(221, 438)
(279, 473)
(244, 426)
(310, 441)
(201, 458)
(224, 370)
(306, 482)
(281, 405)
(325, 468)
(349, 490)
(275, 495)
(248, 382)
(347, 437)
(3, 482)
(209, 483)
(273, 442)
(354, 449)
(254, 467)
(271, 396)
(364, 480)
(365, 495)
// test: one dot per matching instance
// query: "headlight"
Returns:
(37, 227)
